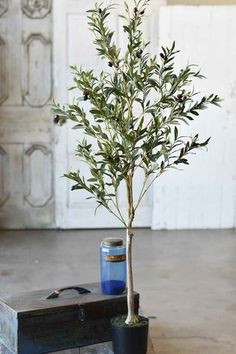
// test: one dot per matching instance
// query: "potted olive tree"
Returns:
(136, 108)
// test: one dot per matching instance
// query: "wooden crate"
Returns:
(46, 321)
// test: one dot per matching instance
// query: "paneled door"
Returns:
(73, 45)
(26, 158)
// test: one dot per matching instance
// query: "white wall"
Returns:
(204, 194)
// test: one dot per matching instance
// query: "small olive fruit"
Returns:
(180, 98)
(86, 95)
(139, 53)
(162, 56)
(56, 119)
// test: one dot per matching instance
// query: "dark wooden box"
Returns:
(32, 323)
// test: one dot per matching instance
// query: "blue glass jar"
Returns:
(113, 266)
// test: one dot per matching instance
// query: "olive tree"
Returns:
(136, 108)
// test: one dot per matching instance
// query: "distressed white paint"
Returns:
(36, 8)
(26, 169)
(73, 44)
(3, 66)
(37, 70)
(204, 194)
(4, 173)
(38, 175)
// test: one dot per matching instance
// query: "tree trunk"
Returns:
(131, 317)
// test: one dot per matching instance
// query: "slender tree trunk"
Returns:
(131, 317)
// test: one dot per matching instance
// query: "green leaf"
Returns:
(176, 133)
(92, 179)
(205, 142)
(184, 161)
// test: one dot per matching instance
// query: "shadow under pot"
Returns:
(130, 339)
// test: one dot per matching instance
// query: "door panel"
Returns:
(26, 157)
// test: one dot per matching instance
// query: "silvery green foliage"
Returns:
(136, 108)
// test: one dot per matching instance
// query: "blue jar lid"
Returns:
(112, 242)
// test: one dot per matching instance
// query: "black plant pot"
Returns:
(130, 340)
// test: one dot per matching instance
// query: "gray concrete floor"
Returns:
(187, 279)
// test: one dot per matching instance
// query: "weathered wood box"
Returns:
(48, 321)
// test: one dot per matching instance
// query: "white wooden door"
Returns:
(204, 194)
(73, 45)
(26, 158)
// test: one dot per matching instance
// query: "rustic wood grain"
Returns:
(30, 323)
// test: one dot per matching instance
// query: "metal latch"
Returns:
(81, 313)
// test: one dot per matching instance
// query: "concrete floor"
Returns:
(187, 279)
